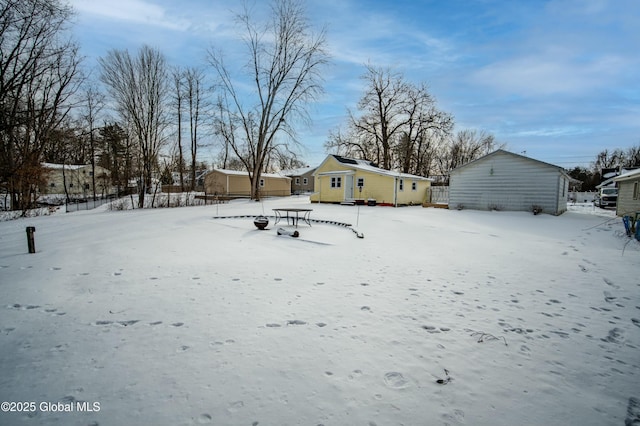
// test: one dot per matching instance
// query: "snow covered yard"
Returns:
(436, 317)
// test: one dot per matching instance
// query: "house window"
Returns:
(414, 186)
(52, 184)
(261, 183)
(86, 186)
(636, 190)
(70, 185)
(360, 183)
(305, 181)
(401, 184)
(297, 181)
(90, 173)
(336, 182)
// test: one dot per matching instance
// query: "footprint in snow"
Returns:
(204, 419)
(395, 380)
(633, 412)
(235, 406)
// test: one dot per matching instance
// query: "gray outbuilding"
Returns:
(503, 180)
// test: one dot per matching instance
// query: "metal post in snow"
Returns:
(358, 216)
(30, 240)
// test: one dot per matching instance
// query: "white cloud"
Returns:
(550, 73)
(138, 11)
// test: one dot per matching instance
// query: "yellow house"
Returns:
(339, 179)
(237, 183)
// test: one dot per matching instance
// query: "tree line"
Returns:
(147, 121)
(619, 158)
(399, 126)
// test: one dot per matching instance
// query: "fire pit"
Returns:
(261, 222)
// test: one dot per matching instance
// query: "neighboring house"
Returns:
(301, 179)
(76, 180)
(506, 181)
(186, 179)
(628, 193)
(339, 179)
(237, 183)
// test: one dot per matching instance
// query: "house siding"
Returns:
(297, 188)
(507, 182)
(231, 184)
(379, 187)
(77, 179)
(626, 205)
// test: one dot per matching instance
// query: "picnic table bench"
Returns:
(293, 215)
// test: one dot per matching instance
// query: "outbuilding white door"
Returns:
(348, 187)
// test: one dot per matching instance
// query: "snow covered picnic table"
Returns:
(299, 214)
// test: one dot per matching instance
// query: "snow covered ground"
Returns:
(436, 317)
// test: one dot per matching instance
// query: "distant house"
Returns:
(237, 183)
(340, 179)
(503, 180)
(628, 193)
(302, 180)
(76, 180)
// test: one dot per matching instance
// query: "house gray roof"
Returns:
(244, 173)
(369, 166)
(297, 172)
(502, 151)
(65, 166)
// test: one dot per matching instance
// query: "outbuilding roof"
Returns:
(633, 174)
(502, 151)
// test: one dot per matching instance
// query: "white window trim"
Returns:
(336, 182)
(261, 183)
(414, 185)
(400, 184)
(305, 181)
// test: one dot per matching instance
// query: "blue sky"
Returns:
(559, 79)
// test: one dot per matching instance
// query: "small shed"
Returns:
(503, 180)
(302, 180)
(628, 193)
(235, 183)
(339, 179)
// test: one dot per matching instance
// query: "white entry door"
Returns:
(348, 187)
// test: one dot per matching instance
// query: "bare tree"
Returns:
(384, 106)
(465, 146)
(93, 103)
(194, 92)
(38, 75)
(139, 86)
(285, 64)
(177, 76)
(425, 125)
(397, 126)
